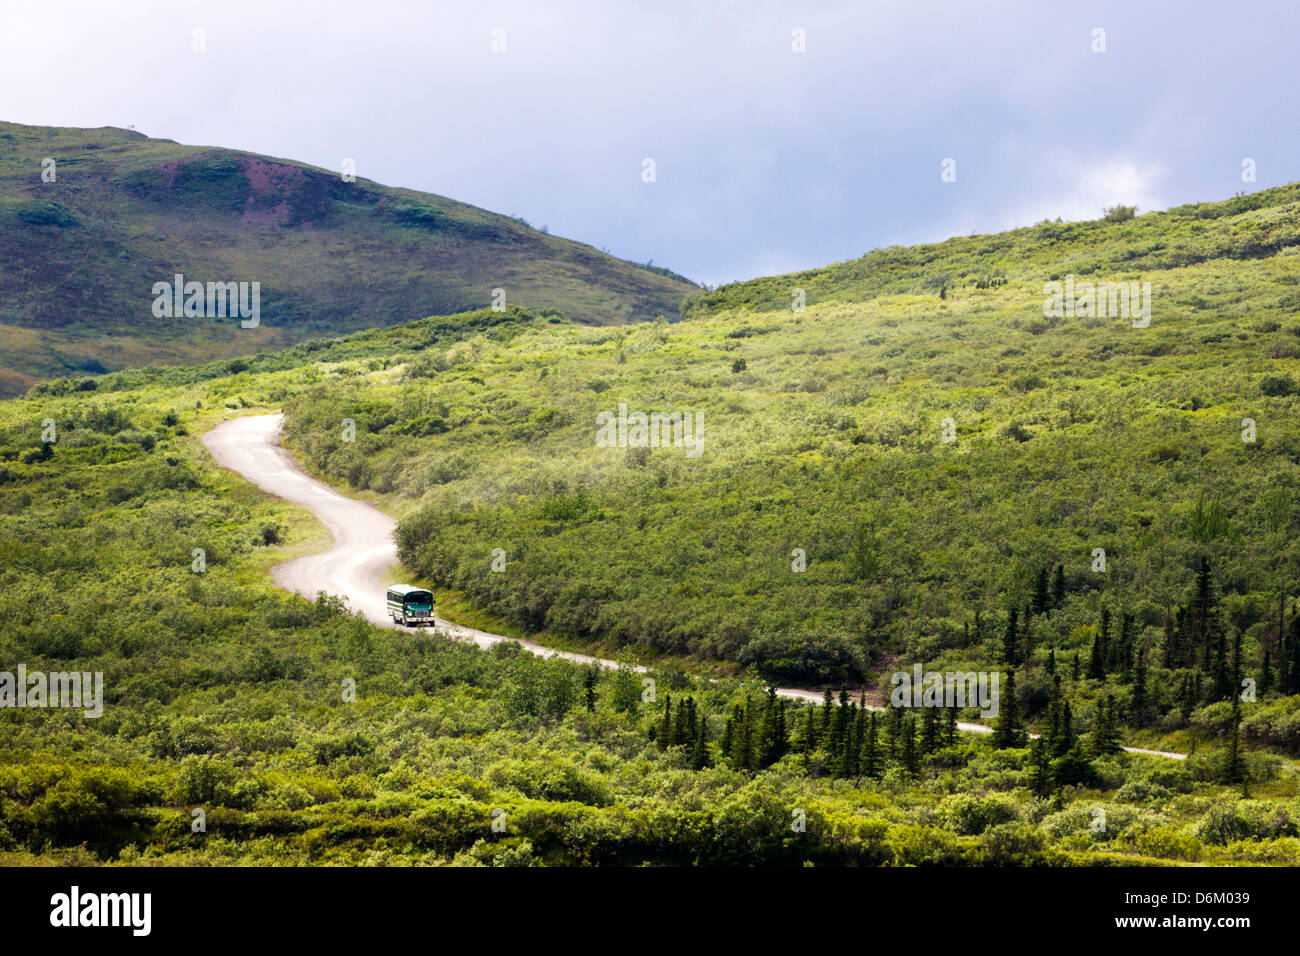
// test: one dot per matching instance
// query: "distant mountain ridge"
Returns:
(91, 219)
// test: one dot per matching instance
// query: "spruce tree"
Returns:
(870, 760)
(1007, 731)
(1054, 709)
(839, 721)
(700, 749)
(808, 739)
(663, 736)
(1222, 680)
(847, 765)
(911, 763)
(1183, 635)
(782, 732)
(589, 687)
(1042, 596)
(1097, 660)
(773, 741)
(1236, 662)
(1121, 657)
(1292, 657)
(1233, 769)
(1279, 647)
(1204, 602)
(1105, 733)
(893, 730)
(930, 731)
(1042, 780)
(1027, 654)
(1170, 641)
(1073, 768)
(1058, 586)
(1064, 737)
(1010, 639)
(1097, 663)
(746, 759)
(1186, 698)
(1138, 699)
(1285, 646)
(767, 744)
(730, 734)
(859, 739)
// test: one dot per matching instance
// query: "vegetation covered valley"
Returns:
(1119, 500)
(829, 534)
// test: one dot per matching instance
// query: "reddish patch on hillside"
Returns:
(267, 178)
(169, 169)
(272, 184)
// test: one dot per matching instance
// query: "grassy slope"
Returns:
(1075, 435)
(78, 257)
(224, 694)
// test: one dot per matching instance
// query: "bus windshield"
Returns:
(419, 600)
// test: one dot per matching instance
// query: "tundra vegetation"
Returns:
(824, 434)
(91, 219)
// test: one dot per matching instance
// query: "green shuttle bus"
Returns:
(410, 605)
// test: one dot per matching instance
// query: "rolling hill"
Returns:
(79, 255)
(924, 432)
(917, 468)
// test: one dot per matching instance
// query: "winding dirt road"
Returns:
(355, 566)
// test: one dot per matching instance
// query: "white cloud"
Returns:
(1083, 188)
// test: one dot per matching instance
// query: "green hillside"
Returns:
(823, 430)
(79, 256)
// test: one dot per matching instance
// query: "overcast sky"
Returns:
(766, 159)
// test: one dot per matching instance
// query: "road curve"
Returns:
(356, 564)
(363, 550)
